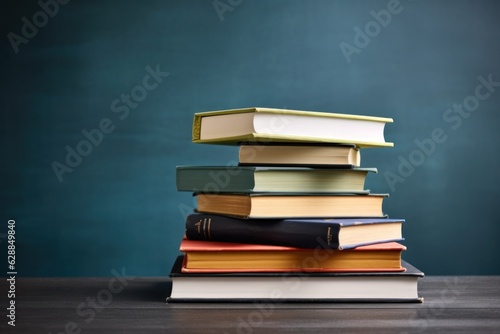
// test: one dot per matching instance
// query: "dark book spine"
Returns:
(279, 232)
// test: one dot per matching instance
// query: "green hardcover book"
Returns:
(265, 125)
(245, 179)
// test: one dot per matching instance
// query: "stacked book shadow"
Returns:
(293, 220)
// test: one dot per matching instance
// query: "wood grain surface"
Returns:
(461, 304)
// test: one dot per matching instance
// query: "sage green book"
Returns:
(247, 179)
(268, 125)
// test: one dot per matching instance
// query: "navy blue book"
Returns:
(303, 233)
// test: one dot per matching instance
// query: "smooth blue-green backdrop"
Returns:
(119, 208)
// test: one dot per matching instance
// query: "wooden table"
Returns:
(463, 304)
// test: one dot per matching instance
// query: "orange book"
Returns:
(219, 257)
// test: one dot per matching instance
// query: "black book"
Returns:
(301, 233)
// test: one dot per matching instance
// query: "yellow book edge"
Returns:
(294, 112)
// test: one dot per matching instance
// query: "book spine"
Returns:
(196, 128)
(278, 232)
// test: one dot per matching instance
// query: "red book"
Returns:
(220, 257)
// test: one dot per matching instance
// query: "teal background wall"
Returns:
(118, 207)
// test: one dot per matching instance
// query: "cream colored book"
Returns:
(267, 125)
(300, 155)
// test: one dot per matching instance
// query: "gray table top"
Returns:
(464, 304)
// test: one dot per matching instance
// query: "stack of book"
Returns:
(293, 220)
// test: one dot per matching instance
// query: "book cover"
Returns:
(284, 125)
(302, 233)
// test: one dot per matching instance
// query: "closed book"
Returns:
(287, 205)
(212, 256)
(282, 287)
(302, 233)
(299, 154)
(265, 125)
(231, 179)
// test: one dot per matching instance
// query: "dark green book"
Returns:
(249, 179)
